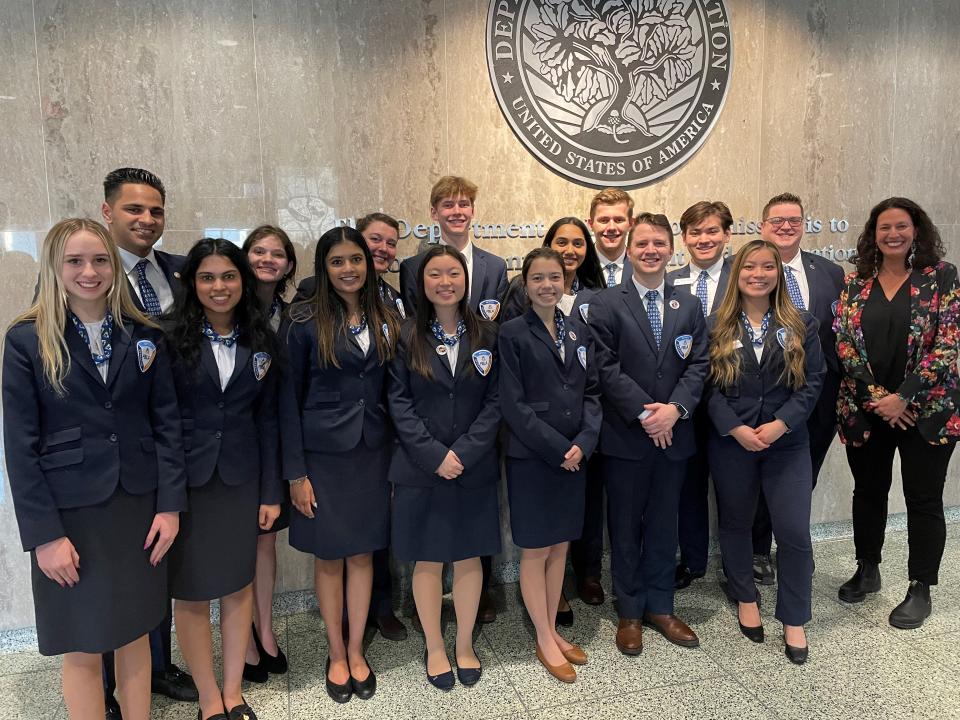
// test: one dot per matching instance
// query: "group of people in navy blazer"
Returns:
(160, 431)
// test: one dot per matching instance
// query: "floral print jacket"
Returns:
(931, 384)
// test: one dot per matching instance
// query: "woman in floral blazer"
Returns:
(898, 328)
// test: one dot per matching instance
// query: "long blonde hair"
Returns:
(49, 311)
(724, 356)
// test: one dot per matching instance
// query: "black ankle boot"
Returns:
(865, 580)
(915, 608)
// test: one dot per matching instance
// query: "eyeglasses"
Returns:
(777, 221)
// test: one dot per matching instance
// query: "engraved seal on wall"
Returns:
(610, 93)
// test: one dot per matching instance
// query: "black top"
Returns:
(886, 325)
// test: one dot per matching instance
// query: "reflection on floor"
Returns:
(859, 666)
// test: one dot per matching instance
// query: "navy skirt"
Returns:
(215, 553)
(352, 516)
(445, 522)
(546, 504)
(120, 596)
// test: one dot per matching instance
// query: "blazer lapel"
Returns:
(540, 332)
(669, 321)
(80, 352)
(135, 297)
(478, 290)
(813, 284)
(919, 311)
(721, 286)
(464, 356)
(241, 363)
(120, 341)
(632, 299)
(209, 362)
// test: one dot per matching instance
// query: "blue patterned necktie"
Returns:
(148, 296)
(793, 288)
(653, 314)
(702, 290)
(611, 274)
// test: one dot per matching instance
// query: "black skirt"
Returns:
(215, 553)
(120, 596)
(546, 504)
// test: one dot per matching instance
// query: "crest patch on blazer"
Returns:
(582, 356)
(782, 337)
(683, 345)
(261, 363)
(489, 309)
(483, 361)
(585, 311)
(146, 354)
(403, 313)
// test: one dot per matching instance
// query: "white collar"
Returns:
(129, 260)
(797, 263)
(713, 271)
(618, 262)
(643, 289)
(467, 251)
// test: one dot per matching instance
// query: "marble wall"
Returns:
(300, 112)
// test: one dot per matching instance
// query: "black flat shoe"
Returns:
(565, 618)
(273, 664)
(683, 576)
(241, 712)
(364, 689)
(337, 693)
(754, 634)
(175, 684)
(470, 676)
(915, 608)
(864, 581)
(256, 673)
(443, 681)
(796, 655)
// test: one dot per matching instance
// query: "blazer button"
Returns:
(566, 386)
(360, 402)
(451, 396)
(361, 375)
(108, 405)
(113, 437)
(566, 413)
(659, 374)
(218, 434)
(221, 405)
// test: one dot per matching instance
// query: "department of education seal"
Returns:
(610, 93)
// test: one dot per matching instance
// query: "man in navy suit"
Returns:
(133, 209)
(651, 343)
(814, 284)
(451, 207)
(611, 217)
(705, 228)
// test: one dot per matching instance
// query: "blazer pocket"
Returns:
(319, 398)
(62, 436)
(60, 459)
(147, 444)
(539, 406)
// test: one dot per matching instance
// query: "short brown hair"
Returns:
(698, 212)
(781, 199)
(611, 196)
(452, 186)
(657, 220)
(368, 220)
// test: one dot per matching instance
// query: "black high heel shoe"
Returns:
(274, 664)
(443, 681)
(338, 693)
(796, 655)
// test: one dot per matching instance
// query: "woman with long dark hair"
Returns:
(444, 404)
(336, 444)
(225, 369)
(898, 330)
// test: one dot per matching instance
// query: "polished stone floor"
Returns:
(859, 667)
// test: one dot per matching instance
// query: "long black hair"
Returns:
(328, 310)
(187, 314)
(589, 272)
(927, 244)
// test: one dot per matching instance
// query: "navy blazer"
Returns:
(458, 412)
(684, 272)
(329, 409)
(762, 395)
(489, 280)
(548, 403)
(633, 372)
(72, 451)
(231, 431)
(825, 280)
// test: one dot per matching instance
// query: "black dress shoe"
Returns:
(591, 591)
(915, 608)
(443, 681)
(390, 627)
(273, 664)
(469, 676)
(796, 655)
(565, 618)
(256, 673)
(763, 571)
(364, 689)
(865, 580)
(684, 576)
(175, 684)
(752, 633)
(487, 611)
(337, 693)
(241, 712)
(112, 708)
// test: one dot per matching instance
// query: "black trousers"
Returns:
(586, 554)
(923, 469)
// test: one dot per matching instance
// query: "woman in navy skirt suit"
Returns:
(336, 443)
(95, 461)
(274, 262)
(550, 398)
(445, 408)
(225, 372)
(766, 371)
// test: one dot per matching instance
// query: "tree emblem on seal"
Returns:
(610, 92)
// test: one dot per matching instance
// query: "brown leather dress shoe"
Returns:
(673, 629)
(487, 611)
(590, 591)
(630, 636)
(575, 655)
(563, 672)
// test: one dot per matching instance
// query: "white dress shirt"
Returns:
(713, 280)
(800, 274)
(226, 358)
(363, 340)
(618, 265)
(155, 276)
(96, 346)
(643, 290)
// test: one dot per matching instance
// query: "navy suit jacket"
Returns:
(72, 451)
(329, 409)
(633, 372)
(232, 431)
(458, 412)
(548, 403)
(684, 272)
(762, 395)
(489, 280)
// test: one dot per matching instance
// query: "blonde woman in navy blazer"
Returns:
(336, 444)
(226, 381)
(550, 397)
(766, 371)
(95, 461)
(445, 408)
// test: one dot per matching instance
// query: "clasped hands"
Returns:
(659, 423)
(760, 437)
(894, 410)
